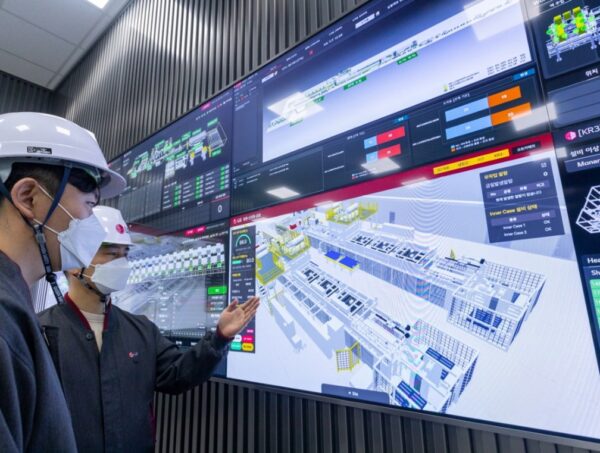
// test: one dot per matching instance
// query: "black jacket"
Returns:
(110, 393)
(33, 413)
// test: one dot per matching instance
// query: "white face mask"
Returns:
(80, 242)
(112, 276)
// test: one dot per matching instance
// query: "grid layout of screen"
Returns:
(414, 194)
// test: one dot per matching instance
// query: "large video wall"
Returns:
(414, 193)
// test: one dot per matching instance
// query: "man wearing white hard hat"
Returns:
(52, 173)
(110, 361)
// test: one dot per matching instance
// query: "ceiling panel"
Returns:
(14, 65)
(42, 40)
(32, 43)
(71, 22)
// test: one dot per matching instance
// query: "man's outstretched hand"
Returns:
(237, 316)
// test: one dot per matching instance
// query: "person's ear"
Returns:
(25, 194)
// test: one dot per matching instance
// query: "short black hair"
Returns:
(50, 177)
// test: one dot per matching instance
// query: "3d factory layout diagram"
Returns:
(179, 153)
(309, 268)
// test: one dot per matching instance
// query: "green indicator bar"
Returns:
(213, 122)
(595, 283)
(319, 99)
(412, 56)
(216, 152)
(186, 136)
(355, 82)
(217, 290)
(236, 346)
(234, 262)
(197, 131)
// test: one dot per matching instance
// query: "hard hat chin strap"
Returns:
(104, 299)
(38, 231)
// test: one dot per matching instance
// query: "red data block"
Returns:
(388, 136)
(389, 152)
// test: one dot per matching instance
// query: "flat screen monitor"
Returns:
(453, 288)
(179, 176)
(392, 86)
(415, 198)
(178, 280)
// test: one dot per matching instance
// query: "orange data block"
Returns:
(505, 96)
(509, 114)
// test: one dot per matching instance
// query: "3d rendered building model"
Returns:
(416, 364)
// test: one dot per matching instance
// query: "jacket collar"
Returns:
(75, 309)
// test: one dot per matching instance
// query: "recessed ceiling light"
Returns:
(22, 128)
(98, 3)
(282, 192)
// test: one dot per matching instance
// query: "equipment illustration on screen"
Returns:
(178, 281)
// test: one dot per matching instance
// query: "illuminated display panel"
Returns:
(392, 86)
(453, 288)
(415, 198)
(179, 177)
(179, 281)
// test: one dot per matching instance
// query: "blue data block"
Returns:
(370, 142)
(468, 128)
(467, 109)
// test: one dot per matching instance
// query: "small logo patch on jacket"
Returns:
(133, 355)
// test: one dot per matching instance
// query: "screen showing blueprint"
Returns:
(179, 177)
(453, 288)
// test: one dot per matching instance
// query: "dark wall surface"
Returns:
(17, 95)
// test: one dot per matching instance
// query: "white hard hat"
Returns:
(113, 223)
(47, 139)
